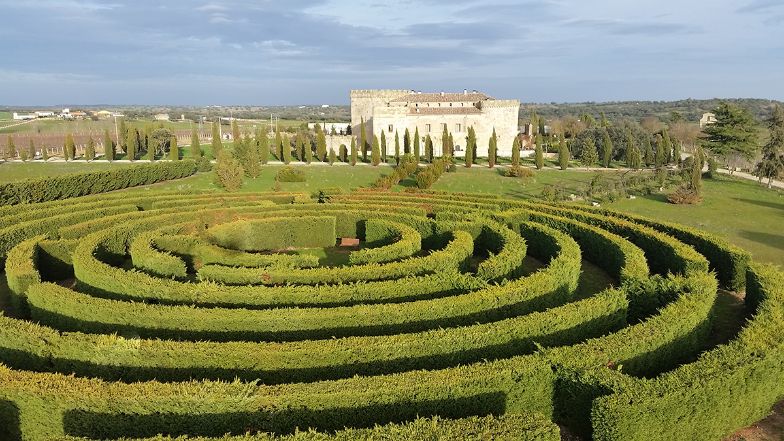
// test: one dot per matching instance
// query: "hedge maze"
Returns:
(458, 317)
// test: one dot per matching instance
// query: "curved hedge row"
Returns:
(106, 339)
(400, 241)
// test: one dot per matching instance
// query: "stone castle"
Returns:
(391, 111)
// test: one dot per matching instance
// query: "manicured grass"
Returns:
(17, 171)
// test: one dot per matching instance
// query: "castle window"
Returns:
(458, 128)
(427, 128)
(443, 126)
(390, 129)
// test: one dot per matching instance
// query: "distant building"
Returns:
(78, 114)
(707, 119)
(393, 111)
(24, 116)
(44, 114)
(103, 114)
(162, 117)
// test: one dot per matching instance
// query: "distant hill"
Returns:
(689, 109)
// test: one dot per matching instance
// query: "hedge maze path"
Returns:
(198, 315)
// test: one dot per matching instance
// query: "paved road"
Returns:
(749, 176)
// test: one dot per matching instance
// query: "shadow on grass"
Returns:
(773, 205)
(768, 239)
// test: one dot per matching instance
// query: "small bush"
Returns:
(518, 171)
(290, 174)
(203, 164)
(684, 196)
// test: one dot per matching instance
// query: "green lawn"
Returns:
(17, 171)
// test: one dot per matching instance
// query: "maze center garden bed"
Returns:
(377, 316)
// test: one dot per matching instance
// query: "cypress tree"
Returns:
(607, 145)
(429, 149)
(252, 164)
(69, 149)
(321, 144)
(563, 153)
(383, 147)
(361, 143)
(108, 146)
(667, 143)
(195, 144)
(217, 144)
(451, 145)
(589, 156)
(649, 158)
(492, 150)
(235, 131)
(353, 151)
(150, 151)
(470, 146)
(539, 154)
(416, 145)
(131, 144)
(406, 142)
(31, 149)
(771, 164)
(306, 147)
(44, 153)
(343, 153)
(516, 151)
(174, 149)
(661, 156)
(633, 159)
(278, 145)
(262, 145)
(89, 152)
(286, 148)
(375, 155)
(696, 171)
(11, 151)
(331, 157)
(397, 148)
(445, 142)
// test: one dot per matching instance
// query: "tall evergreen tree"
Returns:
(375, 155)
(353, 151)
(44, 153)
(649, 158)
(406, 142)
(262, 146)
(534, 122)
(451, 145)
(470, 147)
(607, 145)
(278, 145)
(362, 142)
(492, 149)
(150, 150)
(428, 148)
(539, 152)
(124, 132)
(661, 155)
(383, 147)
(306, 147)
(397, 148)
(174, 149)
(604, 123)
(343, 153)
(589, 157)
(633, 158)
(416, 146)
(31, 149)
(445, 142)
(563, 153)
(696, 171)
(286, 150)
(733, 135)
(217, 143)
(108, 146)
(195, 144)
(69, 150)
(516, 151)
(321, 144)
(131, 144)
(672, 156)
(676, 152)
(252, 163)
(235, 131)
(11, 150)
(772, 164)
(89, 152)
(331, 156)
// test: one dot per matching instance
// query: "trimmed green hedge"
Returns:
(397, 242)
(275, 233)
(729, 387)
(21, 272)
(509, 427)
(80, 184)
(450, 258)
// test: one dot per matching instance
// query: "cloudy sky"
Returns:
(314, 51)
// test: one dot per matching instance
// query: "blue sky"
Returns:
(314, 51)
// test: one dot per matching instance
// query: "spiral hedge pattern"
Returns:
(461, 316)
